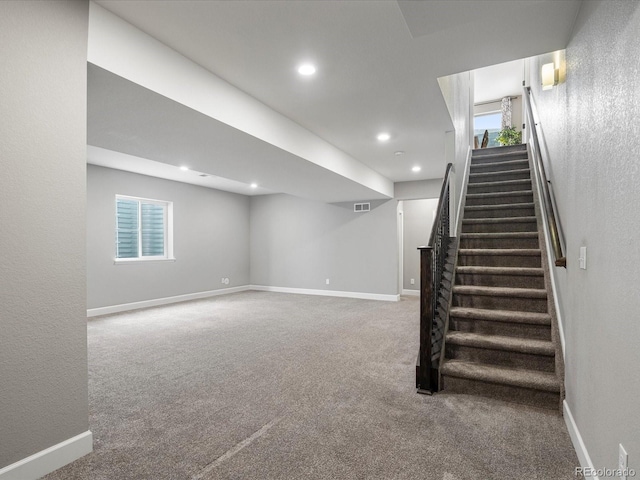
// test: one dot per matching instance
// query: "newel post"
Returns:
(424, 373)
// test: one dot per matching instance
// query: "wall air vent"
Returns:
(361, 207)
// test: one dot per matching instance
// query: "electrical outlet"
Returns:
(413, 281)
(226, 281)
(327, 281)
(622, 462)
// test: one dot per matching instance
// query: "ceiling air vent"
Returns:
(361, 207)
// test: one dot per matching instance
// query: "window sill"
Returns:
(133, 261)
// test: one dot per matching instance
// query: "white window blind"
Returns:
(142, 229)
(152, 226)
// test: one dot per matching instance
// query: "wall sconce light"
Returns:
(549, 76)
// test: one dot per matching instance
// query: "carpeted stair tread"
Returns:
(510, 163)
(499, 235)
(499, 341)
(517, 252)
(482, 270)
(500, 291)
(507, 316)
(511, 193)
(514, 171)
(499, 206)
(470, 221)
(500, 183)
(532, 379)
(496, 342)
(498, 152)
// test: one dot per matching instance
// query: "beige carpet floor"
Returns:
(260, 385)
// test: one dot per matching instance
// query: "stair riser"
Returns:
(499, 243)
(515, 281)
(525, 396)
(520, 147)
(484, 327)
(499, 167)
(480, 159)
(500, 200)
(500, 261)
(501, 227)
(500, 303)
(501, 358)
(499, 176)
(500, 213)
(496, 187)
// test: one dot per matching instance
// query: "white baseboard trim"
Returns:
(93, 312)
(125, 307)
(578, 444)
(407, 291)
(50, 459)
(327, 293)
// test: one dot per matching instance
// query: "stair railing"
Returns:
(432, 262)
(546, 200)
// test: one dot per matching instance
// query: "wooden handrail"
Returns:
(560, 258)
(432, 261)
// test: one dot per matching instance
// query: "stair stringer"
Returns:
(551, 299)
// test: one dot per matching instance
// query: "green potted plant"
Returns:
(509, 136)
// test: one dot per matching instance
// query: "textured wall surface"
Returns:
(43, 339)
(211, 240)
(299, 243)
(590, 122)
(418, 216)
(458, 94)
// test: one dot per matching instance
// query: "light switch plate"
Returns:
(583, 258)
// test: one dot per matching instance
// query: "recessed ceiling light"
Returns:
(416, 169)
(185, 168)
(383, 137)
(307, 69)
(254, 185)
(398, 153)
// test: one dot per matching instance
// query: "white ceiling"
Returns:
(378, 63)
(497, 81)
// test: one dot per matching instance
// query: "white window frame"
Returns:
(484, 114)
(168, 231)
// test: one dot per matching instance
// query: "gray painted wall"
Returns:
(457, 90)
(417, 223)
(211, 240)
(418, 189)
(299, 243)
(43, 344)
(591, 128)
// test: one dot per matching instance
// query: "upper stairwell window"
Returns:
(492, 122)
(144, 229)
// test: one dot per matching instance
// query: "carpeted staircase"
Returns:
(499, 338)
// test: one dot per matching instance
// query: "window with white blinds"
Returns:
(143, 229)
